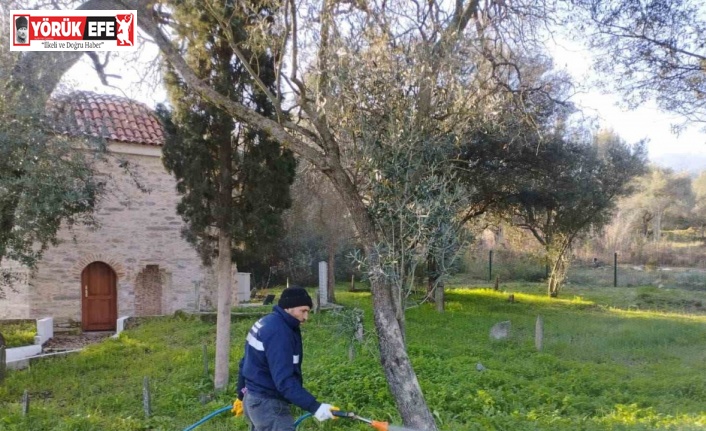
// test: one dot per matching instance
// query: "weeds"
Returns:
(613, 359)
(18, 334)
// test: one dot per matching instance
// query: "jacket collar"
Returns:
(289, 320)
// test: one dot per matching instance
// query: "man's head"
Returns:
(296, 302)
(21, 27)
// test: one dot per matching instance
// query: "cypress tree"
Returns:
(204, 141)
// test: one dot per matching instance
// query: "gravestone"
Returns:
(539, 334)
(500, 331)
(323, 283)
(146, 397)
(25, 403)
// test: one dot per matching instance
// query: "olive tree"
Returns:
(572, 187)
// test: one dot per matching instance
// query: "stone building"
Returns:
(136, 262)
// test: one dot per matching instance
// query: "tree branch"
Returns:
(238, 110)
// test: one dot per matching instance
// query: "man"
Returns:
(21, 30)
(270, 376)
(124, 30)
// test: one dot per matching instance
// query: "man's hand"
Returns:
(237, 408)
(324, 412)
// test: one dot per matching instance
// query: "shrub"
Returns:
(18, 333)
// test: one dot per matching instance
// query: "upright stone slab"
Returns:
(146, 397)
(323, 283)
(539, 334)
(25, 403)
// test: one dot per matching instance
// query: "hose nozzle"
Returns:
(379, 426)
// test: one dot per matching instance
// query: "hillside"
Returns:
(692, 163)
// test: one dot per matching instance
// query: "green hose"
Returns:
(301, 418)
(229, 408)
(209, 417)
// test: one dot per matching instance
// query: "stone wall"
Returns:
(14, 292)
(148, 292)
(139, 234)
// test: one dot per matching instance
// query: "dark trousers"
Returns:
(267, 414)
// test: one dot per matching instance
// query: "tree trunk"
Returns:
(225, 288)
(439, 295)
(398, 369)
(658, 226)
(224, 213)
(431, 277)
(331, 268)
(395, 362)
(557, 275)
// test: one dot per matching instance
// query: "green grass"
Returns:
(613, 359)
(18, 334)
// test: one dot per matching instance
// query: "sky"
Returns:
(646, 122)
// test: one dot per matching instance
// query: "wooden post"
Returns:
(352, 283)
(3, 363)
(490, 265)
(146, 398)
(205, 361)
(358, 334)
(323, 283)
(497, 283)
(539, 334)
(25, 403)
(615, 269)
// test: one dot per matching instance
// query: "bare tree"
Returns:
(660, 192)
(318, 224)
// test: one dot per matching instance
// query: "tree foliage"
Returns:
(659, 193)
(650, 50)
(234, 179)
(572, 187)
(46, 182)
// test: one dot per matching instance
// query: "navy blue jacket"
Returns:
(272, 365)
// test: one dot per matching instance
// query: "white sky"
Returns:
(644, 122)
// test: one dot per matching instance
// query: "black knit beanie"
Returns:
(295, 297)
(21, 22)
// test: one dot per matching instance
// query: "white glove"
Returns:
(324, 412)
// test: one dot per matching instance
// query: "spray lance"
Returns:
(378, 425)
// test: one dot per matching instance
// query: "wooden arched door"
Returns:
(99, 304)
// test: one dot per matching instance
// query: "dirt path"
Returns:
(62, 343)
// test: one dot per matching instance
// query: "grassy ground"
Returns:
(613, 359)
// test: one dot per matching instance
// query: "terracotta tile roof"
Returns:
(107, 116)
